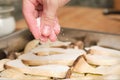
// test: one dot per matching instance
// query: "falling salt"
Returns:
(63, 34)
(67, 39)
(38, 22)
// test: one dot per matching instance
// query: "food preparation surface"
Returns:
(86, 19)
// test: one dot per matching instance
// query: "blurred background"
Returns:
(84, 3)
(80, 14)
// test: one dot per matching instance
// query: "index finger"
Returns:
(30, 17)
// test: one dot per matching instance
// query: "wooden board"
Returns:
(89, 19)
(117, 4)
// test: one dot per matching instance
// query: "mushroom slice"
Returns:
(104, 51)
(67, 57)
(58, 71)
(83, 67)
(101, 60)
(2, 63)
(31, 45)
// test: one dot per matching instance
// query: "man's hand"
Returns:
(43, 12)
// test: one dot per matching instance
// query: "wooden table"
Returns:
(86, 19)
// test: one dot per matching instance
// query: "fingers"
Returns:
(30, 17)
(57, 27)
(46, 31)
(53, 36)
(49, 27)
(43, 38)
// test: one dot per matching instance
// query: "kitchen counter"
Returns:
(84, 18)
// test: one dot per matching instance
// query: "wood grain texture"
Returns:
(86, 19)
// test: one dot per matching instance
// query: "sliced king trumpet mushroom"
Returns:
(101, 60)
(31, 45)
(104, 51)
(2, 63)
(36, 43)
(65, 57)
(56, 44)
(83, 67)
(89, 77)
(112, 77)
(47, 51)
(12, 74)
(58, 71)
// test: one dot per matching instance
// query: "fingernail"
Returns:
(38, 22)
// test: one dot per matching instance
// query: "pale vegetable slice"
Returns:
(48, 51)
(109, 70)
(112, 77)
(82, 78)
(104, 51)
(58, 71)
(76, 75)
(31, 45)
(52, 44)
(1, 78)
(2, 63)
(83, 67)
(115, 69)
(31, 77)
(11, 74)
(51, 51)
(95, 76)
(17, 75)
(101, 60)
(67, 57)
